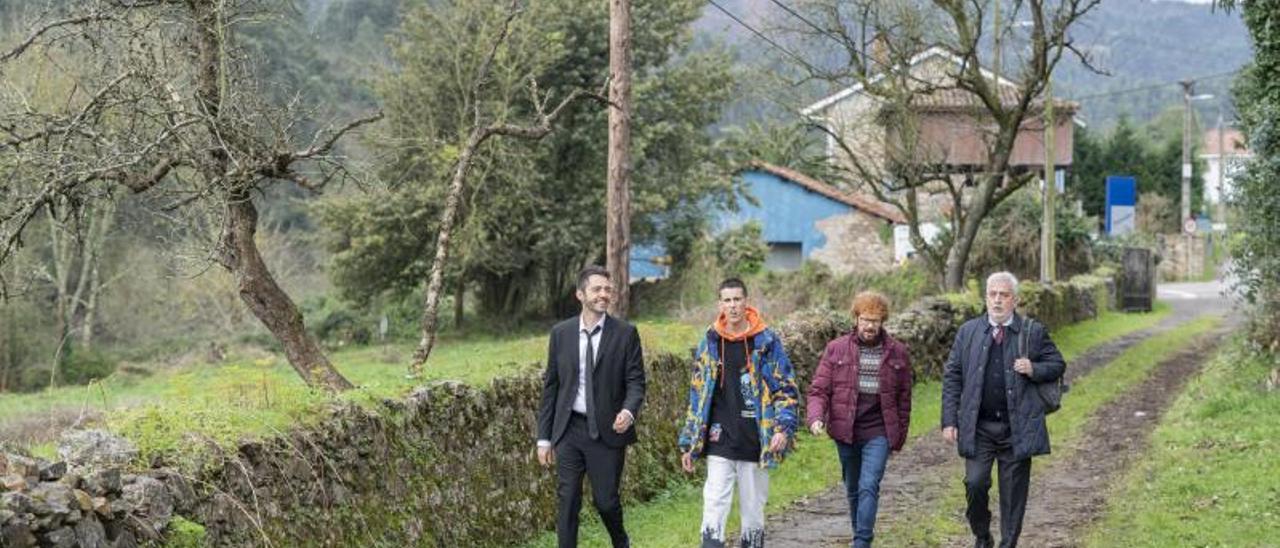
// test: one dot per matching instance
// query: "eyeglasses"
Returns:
(870, 321)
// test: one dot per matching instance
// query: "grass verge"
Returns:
(672, 519)
(1211, 478)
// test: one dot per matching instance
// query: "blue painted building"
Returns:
(802, 219)
(647, 262)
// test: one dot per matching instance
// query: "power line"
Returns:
(761, 35)
(1150, 87)
(842, 41)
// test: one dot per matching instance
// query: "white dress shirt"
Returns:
(580, 397)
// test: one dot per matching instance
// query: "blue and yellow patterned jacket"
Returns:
(773, 385)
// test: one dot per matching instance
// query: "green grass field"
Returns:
(1213, 476)
(250, 396)
(672, 519)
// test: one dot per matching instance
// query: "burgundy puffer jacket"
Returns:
(833, 396)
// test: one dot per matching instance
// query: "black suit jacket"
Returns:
(618, 380)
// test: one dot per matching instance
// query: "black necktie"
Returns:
(589, 390)
(999, 336)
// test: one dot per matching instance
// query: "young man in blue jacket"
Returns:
(741, 415)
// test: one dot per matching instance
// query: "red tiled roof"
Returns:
(1232, 140)
(860, 202)
(959, 99)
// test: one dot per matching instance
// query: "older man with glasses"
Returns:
(861, 397)
(991, 409)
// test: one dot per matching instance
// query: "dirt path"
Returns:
(929, 466)
(1071, 493)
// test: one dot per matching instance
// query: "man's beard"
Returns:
(874, 339)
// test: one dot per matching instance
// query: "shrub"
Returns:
(815, 285)
(79, 366)
(1010, 239)
(742, 250)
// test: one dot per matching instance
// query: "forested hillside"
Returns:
(336, 47)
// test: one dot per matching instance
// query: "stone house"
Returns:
(950, 133)
(1224, 152)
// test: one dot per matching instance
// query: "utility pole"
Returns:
(1187, 86)
(1048, 247)
(618, 218)
(1221, 214)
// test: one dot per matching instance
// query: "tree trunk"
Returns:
(90, 307)
(988, 194)
(957, 259)
(453, 201)
(238, 252)
(62, 257)
(618, 237)
(91, 284)
(459, 293)
(7, 353)
(431, 300)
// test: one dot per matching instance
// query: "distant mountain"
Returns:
(1145, 44)
(1146, 47)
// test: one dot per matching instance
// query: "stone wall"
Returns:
(87, 499)
(854, 244)
(1182, 257)
(448, 465)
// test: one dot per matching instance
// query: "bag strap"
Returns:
(1024, 343)
(1024, 337)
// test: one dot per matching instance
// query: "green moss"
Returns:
(47, 451)
(184, 533)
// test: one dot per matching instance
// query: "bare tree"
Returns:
(72, 267)
(164, 102)
(481, 131)
(900, 147)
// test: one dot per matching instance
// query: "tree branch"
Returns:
(36, 34)
(327, 145)
(70, 125)
(545, 120)
(144, 181)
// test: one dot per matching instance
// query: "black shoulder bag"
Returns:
(1050, 392)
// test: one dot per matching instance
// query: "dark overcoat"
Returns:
(965, 369)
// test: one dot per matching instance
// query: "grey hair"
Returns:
(1004, 276)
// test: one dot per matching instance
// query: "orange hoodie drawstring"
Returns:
(755, 325)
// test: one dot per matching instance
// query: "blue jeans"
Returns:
(863, 465)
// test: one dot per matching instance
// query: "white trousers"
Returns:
(717, 500)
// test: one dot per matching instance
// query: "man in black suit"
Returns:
(593, 388)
